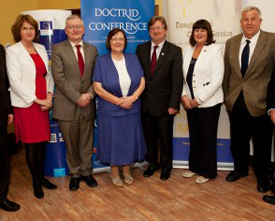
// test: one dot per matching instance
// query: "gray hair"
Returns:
(251, 8)
(74, 16)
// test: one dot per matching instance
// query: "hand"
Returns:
(10, 118)
(84, 100)
(127, 102)
(194, 103)
(272, 116)
(172, 111)
(44, 108)
(186, 102)
(43, 102)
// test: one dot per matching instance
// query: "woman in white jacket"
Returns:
(202, 96)
(31, 89)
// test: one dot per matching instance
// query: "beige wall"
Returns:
(58, 4)
(12, 8)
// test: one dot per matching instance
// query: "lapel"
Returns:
(131, 69)
(257, 51)
(110, 67)
(235, 53)
(87, 58)
(187, 59)
(71, 56)
(24, 52)
(162, 56)
(147, 58)
(43, 56)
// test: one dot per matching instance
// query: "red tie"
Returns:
(154, 59)
(80, 60)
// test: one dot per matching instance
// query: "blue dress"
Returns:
(120, 135)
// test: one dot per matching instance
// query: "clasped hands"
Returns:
(189, 103)
(45, 104)
(84, 100)
(126, 102)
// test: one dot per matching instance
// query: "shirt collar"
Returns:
(73, 44)
(253, 40)
(160, 45)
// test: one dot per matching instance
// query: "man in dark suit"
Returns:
(162, 65)
(249, 62)
(271, 112)
(74, 106)
(6, 118)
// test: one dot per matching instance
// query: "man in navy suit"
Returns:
(162, 65)
(6, 118)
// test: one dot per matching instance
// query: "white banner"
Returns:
(224, 16)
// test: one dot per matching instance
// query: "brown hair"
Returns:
(111, 34)
(15, 29)
(154, 19)
(203, 24)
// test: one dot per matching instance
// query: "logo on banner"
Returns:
(130, 20)
(46, 28)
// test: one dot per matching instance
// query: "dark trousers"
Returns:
(243, 127)
(4, 164)
(158, 133)
(203, 127)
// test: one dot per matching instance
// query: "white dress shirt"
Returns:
(75, 49)
(158, 50)
(252, 45)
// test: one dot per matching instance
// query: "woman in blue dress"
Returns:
(119, 82)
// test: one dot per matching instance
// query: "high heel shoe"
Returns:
(46, 183)
(38, 192)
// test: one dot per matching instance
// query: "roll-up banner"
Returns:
(101, 16)
(51, 30)
(224, 16)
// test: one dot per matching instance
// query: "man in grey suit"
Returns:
(249, 62)
(162, 65)
(74, 106)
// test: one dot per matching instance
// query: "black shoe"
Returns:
(150, 171)
(9, 206)
(46, 183)
(263, 186)
(269, 199)
(38, 192)
(91, 182)
(165, 174)
(74, 184)
(234, 176)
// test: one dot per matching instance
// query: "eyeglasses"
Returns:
(159, 28)
(117, 39)
(71, 27)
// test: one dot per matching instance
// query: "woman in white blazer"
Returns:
(31, 89)
(202, 97)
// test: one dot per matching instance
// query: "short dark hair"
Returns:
(15, 29)
(203, 24)
(154, 19)
(111, 34)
